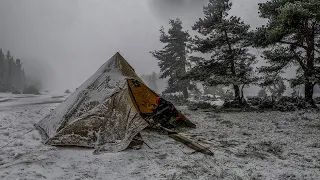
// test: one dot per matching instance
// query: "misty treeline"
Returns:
(151, 80)
(220, 52)
(12, 75)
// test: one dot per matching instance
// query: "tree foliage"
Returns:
(292, 36)
(151, 80)
(262, 93)
(226, 39)
(12, 77)
(275, 85)
(173, 57)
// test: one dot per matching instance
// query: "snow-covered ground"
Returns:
(247, 145)
(9, 101)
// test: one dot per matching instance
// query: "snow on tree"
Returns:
(278, 88)
(262, 93)
(275, 85)
(214, 90)
(153, 78)
(226, 39)
(151, 81)
(292, 38)
(173, 57)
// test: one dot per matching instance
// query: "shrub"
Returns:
(176, 100)
(67, 91)
(285, 103)
(234, 104)
(31, 90)
(267, 103)
(192, 106)
(16, 91)
(200, 105)
(254, 101)
(2, 88)
(206, 105)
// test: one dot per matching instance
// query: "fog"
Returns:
(63, 42)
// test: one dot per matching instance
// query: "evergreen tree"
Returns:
(12, 77)
(153, 78)
(262, 93)
(24, 79)
(17, 76)
(173, 57)
(278, 88)
(292, 36)
(225, 38)
(2, 70)
(10, 70)
(18, 64)
(275, 85)
(214, 90)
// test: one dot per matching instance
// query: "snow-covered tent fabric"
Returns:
(102, 113)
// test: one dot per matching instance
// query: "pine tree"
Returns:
(275, 85)
(153, 78)
(278, 88)
(214, 90)
(262, 93)
(9, 70)
(292, 36)
(2, 70)
(23, 79)
(225, 38)
(151, 81)
(12, 76)
(17, 76)
(173, 57)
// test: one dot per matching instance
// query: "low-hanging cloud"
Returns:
(69, 40)
(187, 10)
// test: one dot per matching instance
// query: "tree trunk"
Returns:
(185, 93)
(236, 87)
(237, 93)
(308, 92)
(242, 96)
(309, 72)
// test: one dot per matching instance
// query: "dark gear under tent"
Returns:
(106, 112)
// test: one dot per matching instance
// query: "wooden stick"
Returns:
(196, 146)
(191, 144)
(186, 120)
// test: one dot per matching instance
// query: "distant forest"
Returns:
(12, 75)
(154, 82)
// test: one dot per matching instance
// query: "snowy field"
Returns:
(247, 145)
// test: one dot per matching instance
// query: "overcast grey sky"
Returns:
(68, 40)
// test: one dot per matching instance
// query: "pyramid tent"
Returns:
(106, 112)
